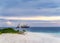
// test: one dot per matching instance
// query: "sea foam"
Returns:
(29, 37)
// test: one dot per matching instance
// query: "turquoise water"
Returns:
(47, 30)
(55, 31)
(44, 29)
(40, 29)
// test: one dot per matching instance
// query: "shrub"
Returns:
(9, 30)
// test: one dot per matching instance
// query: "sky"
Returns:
(36, 13)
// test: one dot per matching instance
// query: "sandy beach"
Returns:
(28, 38)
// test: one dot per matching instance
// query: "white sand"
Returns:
(28, 38)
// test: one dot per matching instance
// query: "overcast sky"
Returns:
(33, 12)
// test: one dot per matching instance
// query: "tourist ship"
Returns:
(22, 26)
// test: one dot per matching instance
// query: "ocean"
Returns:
(55, 31)
(39, 29)
(44, 29)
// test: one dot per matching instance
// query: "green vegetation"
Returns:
(11, 30)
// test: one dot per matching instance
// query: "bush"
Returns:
(24, 30)
(10, 30)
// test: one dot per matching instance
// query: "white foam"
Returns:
(28, 38)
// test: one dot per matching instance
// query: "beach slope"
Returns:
(28, 38)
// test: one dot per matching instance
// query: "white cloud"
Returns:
(46, 10)
(9, 23)
(45, 18)
(40, 21)
(31, 12)
(32, 7)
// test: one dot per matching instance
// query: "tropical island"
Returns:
(11, 30)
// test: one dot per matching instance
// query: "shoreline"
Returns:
(29, 37)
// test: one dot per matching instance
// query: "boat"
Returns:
(22, 26)
(18, 26)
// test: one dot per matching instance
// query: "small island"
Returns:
(11, 30)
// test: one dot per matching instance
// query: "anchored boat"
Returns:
(22, 26)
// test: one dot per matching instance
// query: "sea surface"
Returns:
(47, 30)
(39, 29)
(55, 31)
(44, 29)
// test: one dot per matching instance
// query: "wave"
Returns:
(29, 37)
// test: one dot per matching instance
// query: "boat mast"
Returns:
(18, 26)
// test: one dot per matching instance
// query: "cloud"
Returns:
(31, 12)
(45, 18)
(32, 21)
(29, 8)
(28, 3)
(9, 23)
